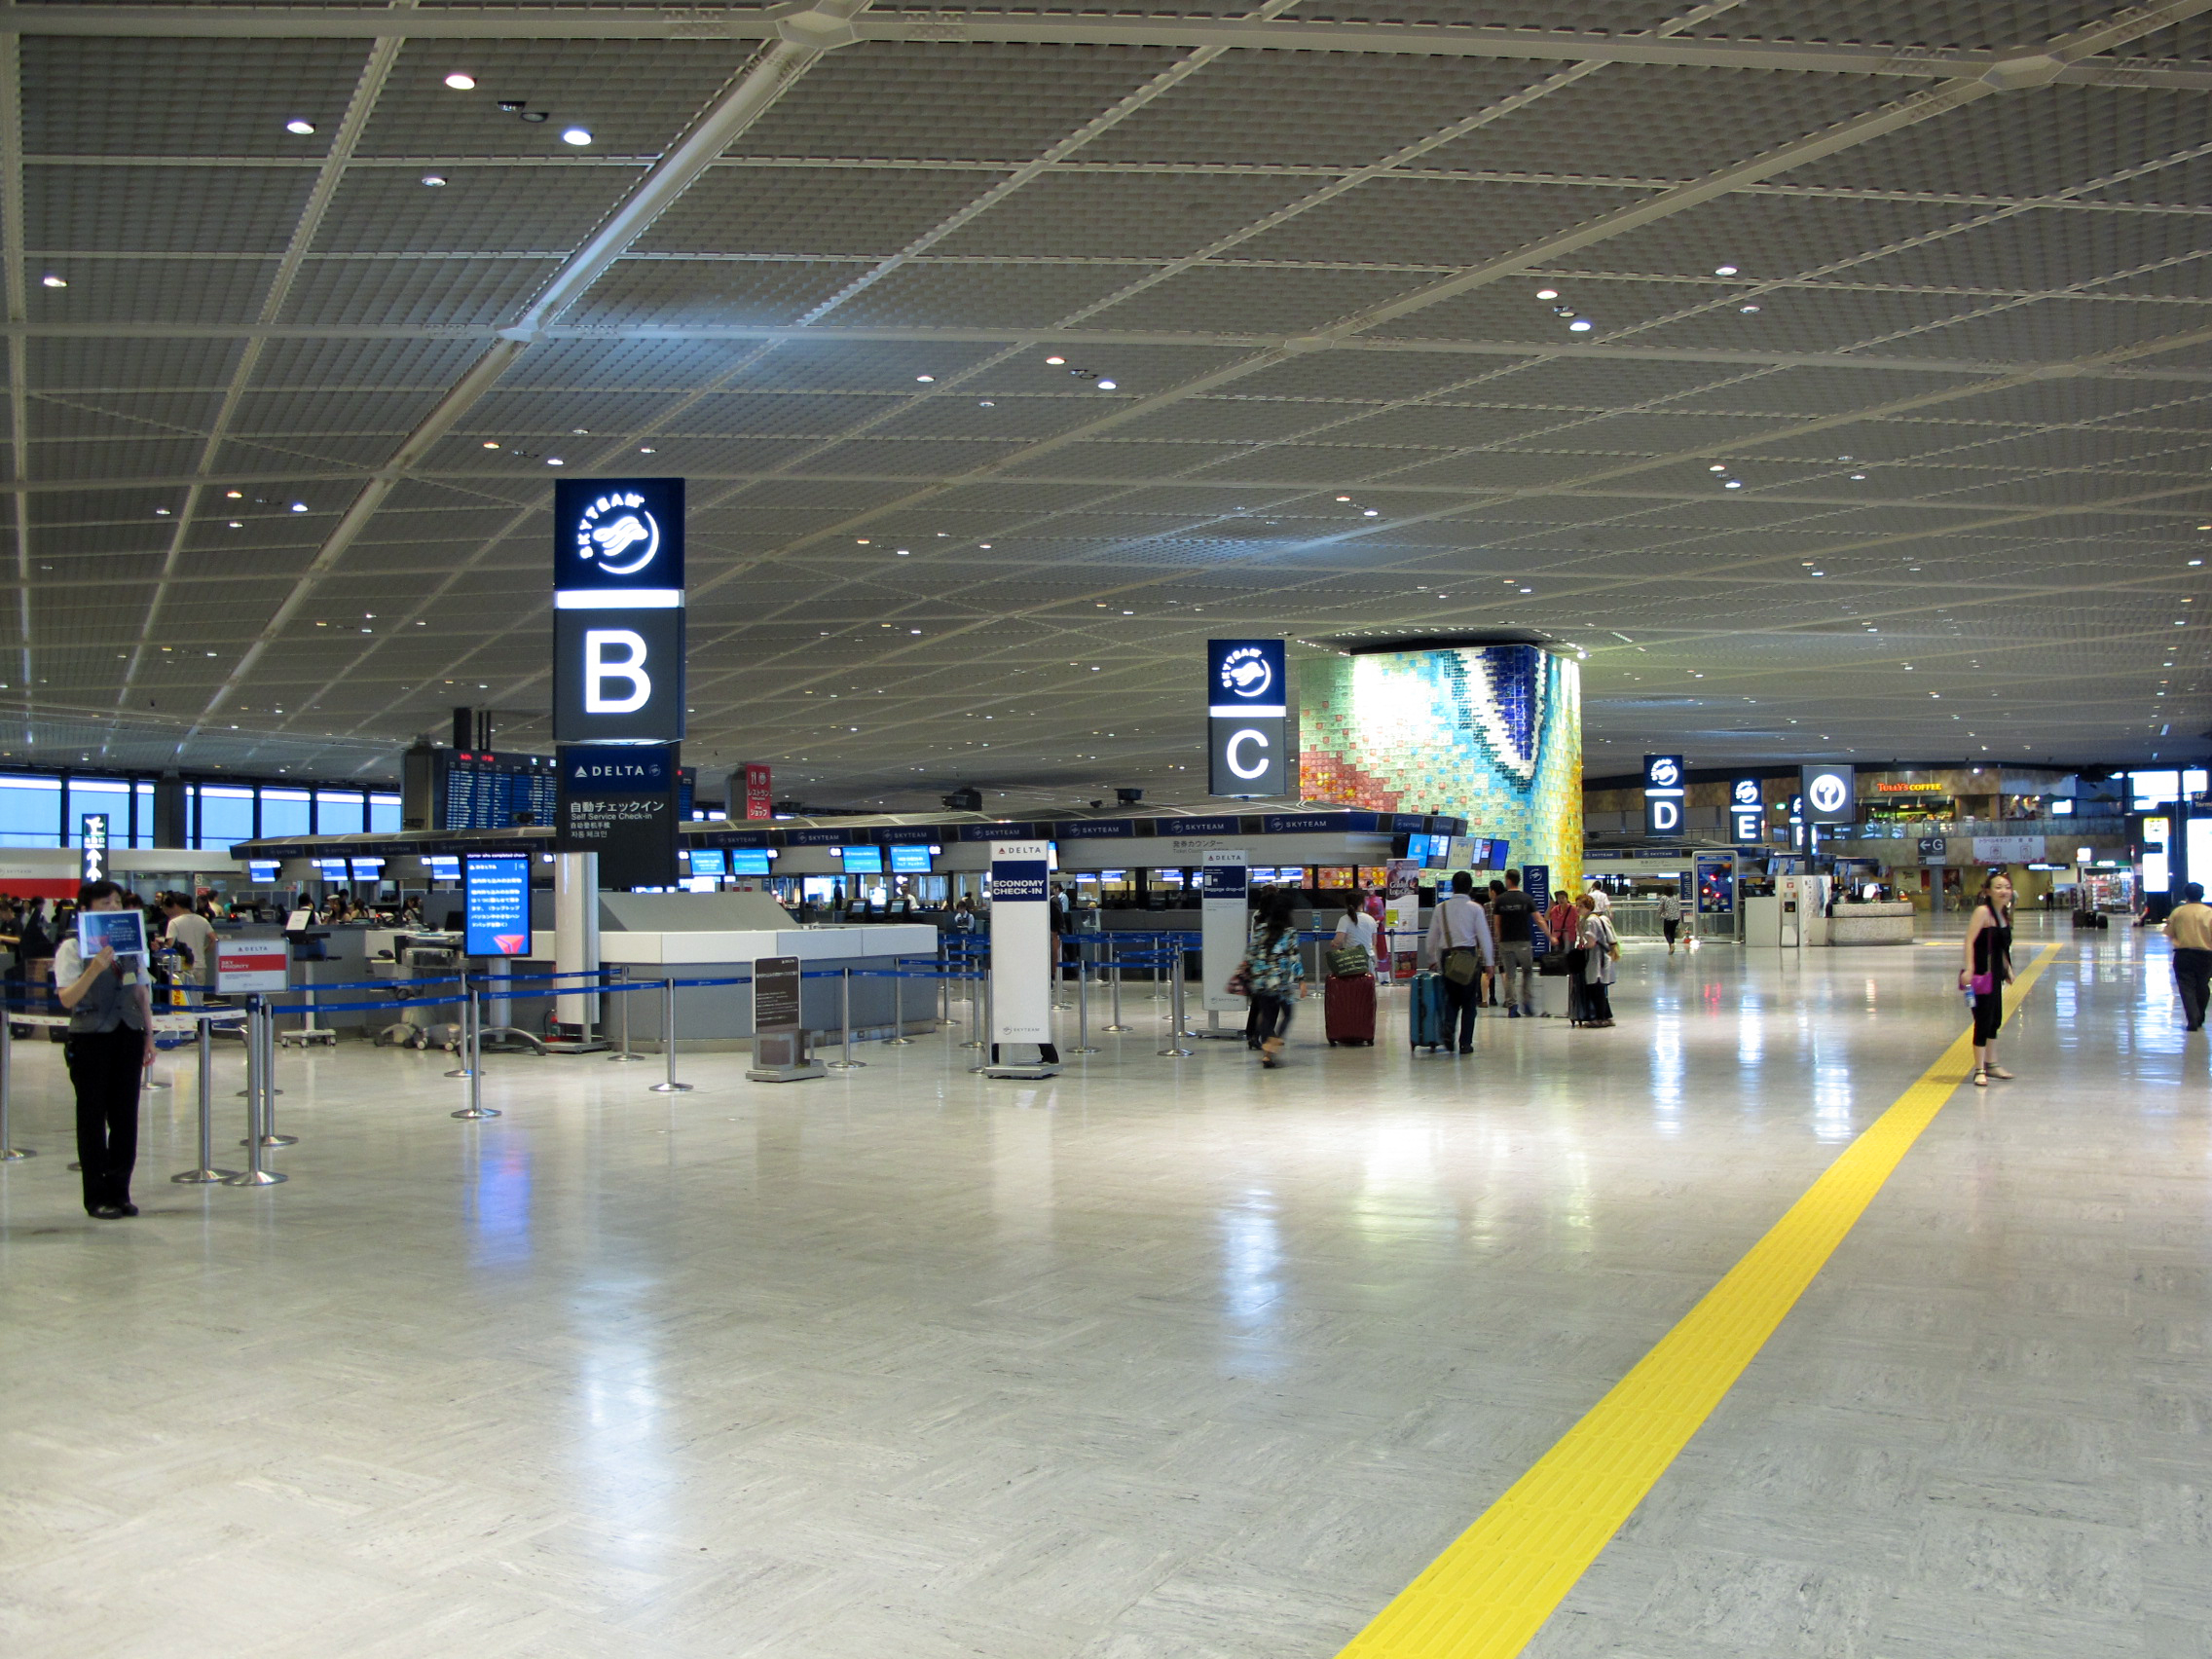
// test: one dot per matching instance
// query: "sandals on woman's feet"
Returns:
(1981, 1077)
(2000, 1073)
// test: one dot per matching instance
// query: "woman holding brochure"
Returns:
(111, 1041)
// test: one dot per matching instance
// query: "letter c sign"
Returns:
(1259, 767)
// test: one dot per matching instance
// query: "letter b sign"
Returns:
(618, 676)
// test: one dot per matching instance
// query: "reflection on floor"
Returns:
(1156, 1358)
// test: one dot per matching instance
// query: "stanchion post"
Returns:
(1082, 1043)
(1114, 981)
(472, 1037)
(669, 1085)
(845, 1019)
(898, 1035)
(257, 1102)
(984, 1042)
(1176, 1049)
(975, 1014)
(467, 1042)
(9, 1152)
(618, 975)
(206, 1172)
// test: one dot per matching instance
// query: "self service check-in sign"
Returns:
(618, 610)
(1247, 718)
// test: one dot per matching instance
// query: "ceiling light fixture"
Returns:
(925, 380)
(297, 126)
(1580, 325)
(1547, 293)
(433, 180)
(299, 506)
(577, 135)
(50, 280)
(1747, 309)
(1717, 467)
(461, 81)
(1732, 484)
(555, 460)
(1105, 386)
(1055, 361)
(1724, 271)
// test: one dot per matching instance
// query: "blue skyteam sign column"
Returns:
(1248, 719)
(1022, 960)
(617, 683)
(1663, 794)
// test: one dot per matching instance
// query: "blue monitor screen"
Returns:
(497, 904)
(368, 870)
(864, 861)
(909, 860)
(707, 861)
(443, 867)
(748, 864)
(261, 869)
(1497, 851)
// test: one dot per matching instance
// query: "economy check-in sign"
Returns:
(619, 611)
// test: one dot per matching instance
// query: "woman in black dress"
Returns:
(1988, 966)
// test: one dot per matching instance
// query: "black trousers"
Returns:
(1988, 1016)
(1598, 1000)
(107, 1069)
(1270, 1016)
(1460, 1005)
(2193, 977)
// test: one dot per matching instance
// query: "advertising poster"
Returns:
(1224, 923)
(1537, 882)
(495, 904)
(1715, 884)
(1021, 943)
(760, 791)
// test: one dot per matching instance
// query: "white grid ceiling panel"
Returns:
(2012, 144)
(69, 209)
(938, 102)
(1250, 420)
(1962, 25)
(1237, 299)
(433, 293)
(1433, 222)
(1311, 109)
(1817, 319)
(363, 365)
(68, 462)
(124, 415)
(983, 296)
(321, 451)
(477, 209)
(1509, 310)
(123, 291)
(1648, 121)
(2046, 331)
(811, 210)
(2047, 249)
(669, 292)
(1816, 392)
(631, 95)
(1030, 417)
(1072, 214)
(117, 97)
(1768, 238)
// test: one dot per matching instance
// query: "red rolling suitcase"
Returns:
(1348, 1009)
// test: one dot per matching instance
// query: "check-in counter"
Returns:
(1883, 923)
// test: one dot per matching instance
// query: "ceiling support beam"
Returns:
(1416, 40)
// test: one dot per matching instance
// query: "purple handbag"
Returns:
(1983, 984)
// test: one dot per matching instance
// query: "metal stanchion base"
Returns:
(899, 1041)
(474, 1112)
(1117, 1030)
(681, 1087)
(1177, 1054)
(203, 1177)
(262, 1178)
(276, 1140)
(1084, 1050)
(846, 1065)
(458, 1070)
(15, 1154)
(628, 1056)
(242, 1093)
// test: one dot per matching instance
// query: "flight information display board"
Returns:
(493, 792)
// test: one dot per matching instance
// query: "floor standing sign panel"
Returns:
(1225, 921)
(779, 1036)
(1022, 960)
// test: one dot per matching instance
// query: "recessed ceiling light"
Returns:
(235, 525)
(985, 403)
(1733, 484)
(647, 449)
(555, 460)
(460, 81)
(1371, 512)
(433, 179)
(925, 380)
(1717, 467)
(1747, 309)
(234, 495)
(1580, 325)
(1859, 477)
(1105, 386)
(1055, 361)
(577, 135)
(299, 506)
(1547, 293)
(161, 512)
(579, 431)
(50, 280)
(302, 128)
(1724, 271)
(904, 554)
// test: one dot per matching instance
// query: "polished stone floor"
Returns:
(1159, 1358)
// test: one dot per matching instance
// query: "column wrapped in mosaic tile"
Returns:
(1491, 732)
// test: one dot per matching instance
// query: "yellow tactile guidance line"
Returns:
(1491, 1590)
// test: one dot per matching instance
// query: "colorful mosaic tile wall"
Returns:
(1493, 733)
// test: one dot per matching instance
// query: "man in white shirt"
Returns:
(1459, 942)
(192, 931)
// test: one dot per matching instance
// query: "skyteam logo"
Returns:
(1664, 772)
(617, 532)
(1246, 674)
(1746, 792)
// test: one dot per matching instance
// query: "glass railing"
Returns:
(1903, 829)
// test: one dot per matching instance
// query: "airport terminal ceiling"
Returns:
(1833, 375)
